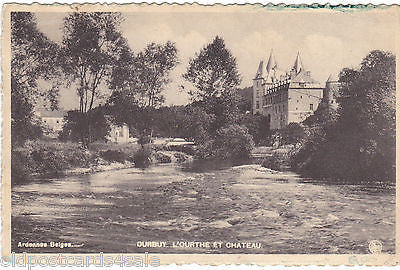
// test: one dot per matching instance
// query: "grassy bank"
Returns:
(49, 158)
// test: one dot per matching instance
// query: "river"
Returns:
(277, 212)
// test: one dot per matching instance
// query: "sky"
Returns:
(327, 42)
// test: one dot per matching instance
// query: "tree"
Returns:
(152, 68)
(368, 111)
(360, 144)
(142, 78)
(138, 83)
(215, 76)
(213, 72)
(75, 125)
(92, 45)
(32, 58)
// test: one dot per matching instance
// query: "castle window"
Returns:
(257, 104)
(312, 107)
(301, 96)
(296, 108)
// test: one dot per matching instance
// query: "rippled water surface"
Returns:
(110, 211)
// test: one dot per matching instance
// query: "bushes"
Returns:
(21, 167)
(114, 156)
(291, 134)
(231, 142)
(87, 128)
(162, 158)
(258, 127)
(187, 149)
(142, 158)
(272, 162)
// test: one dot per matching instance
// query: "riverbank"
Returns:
(51, 158)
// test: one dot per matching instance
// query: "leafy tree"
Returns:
(142, 78)
(32, 58)
(213, 72)
(152, 70)
(197, 124)
(258, 127)
(367, 112)
(360, 144)
(138, 91)
(76, 125)
(245, 99)
(92, 45)
(292, 133)
(233, 142)
(215, 76)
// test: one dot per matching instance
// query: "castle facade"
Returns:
(287, 97)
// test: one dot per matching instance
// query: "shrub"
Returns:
(88, 127)
(162, 158)
(144, 139)
(114, 156)
(233, 142)
(291, 134)
(187, 149)
(258, 127)
(21, 166)
(273, 162)
(181, 157)
(142, 158)
(48, 162)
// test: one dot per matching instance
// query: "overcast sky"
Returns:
(327, 42)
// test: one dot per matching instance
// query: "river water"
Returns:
(276, 212)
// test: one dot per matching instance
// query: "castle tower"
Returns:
(258, 82)
(331, 92)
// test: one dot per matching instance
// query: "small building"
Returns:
(119, 134)
(288, 97)
(52, 120)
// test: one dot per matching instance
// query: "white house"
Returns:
(119, 134)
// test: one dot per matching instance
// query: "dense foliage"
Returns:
(216, 111)
(32, 58)
(213, 72)
(359, 145)
(76, 126)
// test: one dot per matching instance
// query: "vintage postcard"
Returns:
(145, 135)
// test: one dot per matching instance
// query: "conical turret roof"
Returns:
(272, 64)
(298, 65)
(332, 78)
(260, 70)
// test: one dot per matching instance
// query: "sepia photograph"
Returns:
(202, 130)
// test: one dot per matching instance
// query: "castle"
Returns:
(287, 97)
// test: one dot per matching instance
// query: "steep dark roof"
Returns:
(303, 76)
